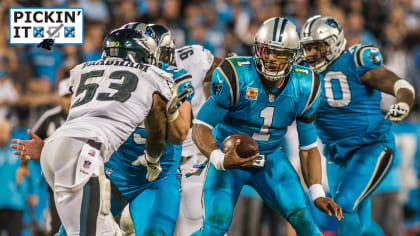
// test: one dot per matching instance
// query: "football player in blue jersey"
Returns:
(358, 141)
(261, 96)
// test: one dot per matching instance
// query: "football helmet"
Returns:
(130, 45)
(152, 39)
(166, 45)
(275, 47)
(325, 37)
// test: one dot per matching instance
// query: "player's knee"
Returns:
(302, 221)
(221, 217)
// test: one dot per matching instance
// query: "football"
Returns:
(246, 148)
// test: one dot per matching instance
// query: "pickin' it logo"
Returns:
(35, 25)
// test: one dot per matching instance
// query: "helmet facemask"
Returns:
(325, 38)
(272, 62)
(315, 53)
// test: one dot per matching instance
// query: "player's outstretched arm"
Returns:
(155, 124)
(387, 81)
(204, 140)
(178, 128)
(312, 173)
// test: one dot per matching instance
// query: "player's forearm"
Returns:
(387, 81)
(405, 95)
(155, 124)
(178, 129)
(203, 139)
(311, 166)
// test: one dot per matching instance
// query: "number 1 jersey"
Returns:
(240, 103)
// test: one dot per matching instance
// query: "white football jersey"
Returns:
(111, 98)
(197, 60)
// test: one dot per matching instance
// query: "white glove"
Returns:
(397, 112)
(153, 169)
(179, 95)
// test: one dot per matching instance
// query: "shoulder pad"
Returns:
(228, 70)
(367, 56)
(315, 88)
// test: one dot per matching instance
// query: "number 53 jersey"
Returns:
(240, 103)
(351, 109)
(110, 99)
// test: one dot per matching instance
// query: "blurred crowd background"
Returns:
(29, 78)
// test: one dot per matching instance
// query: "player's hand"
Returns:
(328, 206)
(397, 112)
(21, 172)
(179, 95)
(28, 149)
(153, 169)
(197, 168)
(233, 161)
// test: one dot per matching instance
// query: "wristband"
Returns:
(399, 84)
(150, 159)
(316, 191)
(217, 157)
(173, 116)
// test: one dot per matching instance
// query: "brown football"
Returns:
(246, 148)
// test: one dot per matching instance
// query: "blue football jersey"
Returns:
(350, 108)
(240, 103)
(135, 145)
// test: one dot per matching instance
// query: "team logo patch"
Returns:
(374, 58)
(251, 93)
(86, 164)
(217, 86)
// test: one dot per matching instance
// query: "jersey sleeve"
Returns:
(181, 77)
(305, 121)
(223, 95)
(194, 58)
(367, 58)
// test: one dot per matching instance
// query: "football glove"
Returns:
(180, 94)
(398, 112)
(153, 169)
(197, 168)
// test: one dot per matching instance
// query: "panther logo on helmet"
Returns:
(322, 40)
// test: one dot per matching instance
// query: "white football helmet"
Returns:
(277, 37)
(326, 30)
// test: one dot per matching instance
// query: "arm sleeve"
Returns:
(307, 135)
(305, 122)
(367, 58)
